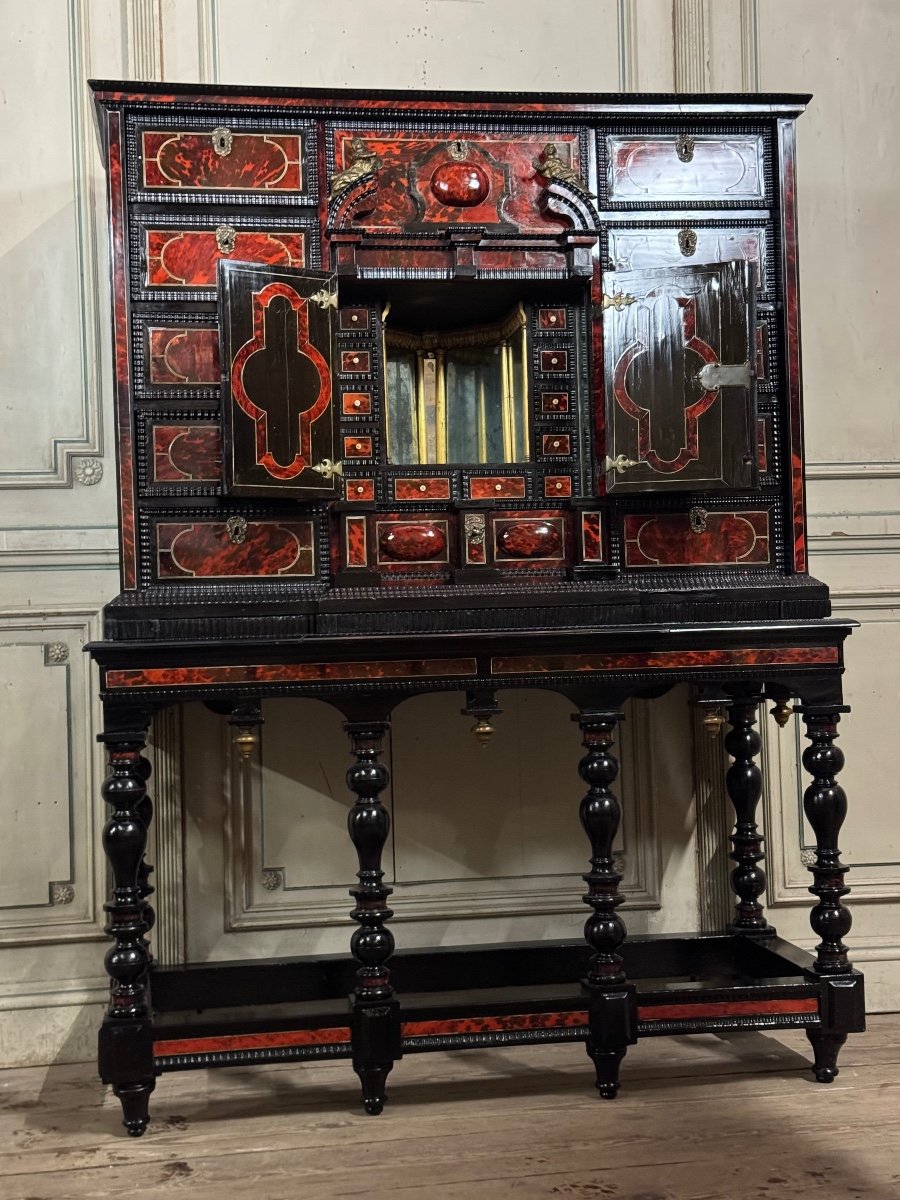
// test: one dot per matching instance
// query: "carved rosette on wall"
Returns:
(87, 471)
(55, 654)
(273, 879)
(62, 893)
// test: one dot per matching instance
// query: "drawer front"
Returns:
(204, 549)
(185, 452)
(175, 257)
(674, 168)
(221, 159)
(697, 539)
(496, 487)
(422, 489)
(417, 540)
(636, 248)
(180, 356)
(359, 489)
(537, 538)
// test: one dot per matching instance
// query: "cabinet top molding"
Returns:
(598, 104)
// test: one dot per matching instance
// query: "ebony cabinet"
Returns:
(463, 392)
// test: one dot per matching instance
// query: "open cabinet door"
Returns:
(278, 415)
(679, 377)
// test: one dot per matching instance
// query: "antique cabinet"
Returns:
(462, 392)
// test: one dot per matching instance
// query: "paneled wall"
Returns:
(248, 859)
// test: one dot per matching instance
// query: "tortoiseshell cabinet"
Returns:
(468, 392)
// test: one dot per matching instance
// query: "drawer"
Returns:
(193, 158)
(175, 256)
(553, 444)
(402, 541)
(238, 548)
(185, 452)
(358, 446)
(634, 248)
(359, 489)
(678, 167)
(557, 485)
(422, 489)
(529, 537)
(356, 404)
(496, 487)
(173, 355)
(697, 539)
(554, 402)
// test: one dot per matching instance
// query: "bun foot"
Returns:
(608, 1091)
(135, 1101)
(374, 1105)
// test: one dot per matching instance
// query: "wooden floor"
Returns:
(704, 1118)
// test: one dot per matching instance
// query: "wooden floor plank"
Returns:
(702, 1118)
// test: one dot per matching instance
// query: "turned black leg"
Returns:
(126, 1040)
(612, 1011)
(825, 804)
(375, 1020)
(743, 782)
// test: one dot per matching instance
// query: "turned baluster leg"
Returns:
(612, 1006)
(144, 811)
(743, 782)
(825, 804)
(126, 1040)
(375, 1021)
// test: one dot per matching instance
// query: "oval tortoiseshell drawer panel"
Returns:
(675, 167)
(221, 159)
(240, 548)
(697, 539)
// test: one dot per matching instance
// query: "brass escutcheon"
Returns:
(222, 139)
(226, 238)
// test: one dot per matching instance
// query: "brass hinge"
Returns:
(717, 375)
(620, 464)
(618, 301)
(324, 298)
(328, 469)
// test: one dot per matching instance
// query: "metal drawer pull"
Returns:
(716, 375)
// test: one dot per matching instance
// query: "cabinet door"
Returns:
(277, 398)
(679, 376)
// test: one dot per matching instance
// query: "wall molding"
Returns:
(854, 469)
(691, 45)
(628, 45)
(89, 439)
(144, 39)
(208, 41)
(750, 46)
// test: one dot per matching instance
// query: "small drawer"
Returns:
(170, 254)
(356, 362)
(185, 453)
(422, 489)
(676, 167)
(238, 548)
(359, 489)
(554, 362)
(357, 447)
(419, 539)
(551, 319)
(697, 539)
(353, 320)
(637, 248)
(494, 487)
(558, 485)
(356, 404)
(555, 444)
(554, 402)
(172, 355)
(529, 537)
(217, 158)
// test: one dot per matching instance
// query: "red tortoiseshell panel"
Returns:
(727, 1008)
(355, 535)
(170, 1047)
(412, 542)
(255, 162)
(554, 362)
(186, 453)
(662, 660)
(552, 318)
(356, 403)
(413, 184)
(359, 489)
(555, 443)
(353, 319)
(205, 550)
(591, 545)
(729, 539)
(290, 673)
(357, 447)
(525, 539)
(188, 257)
(554, 402)
(418, 489)
(763, 436)
(183, 356)
(490, 487)
(558, 485)
(529, 260)
(385, 257)
(494, 1024)
(356, 362)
